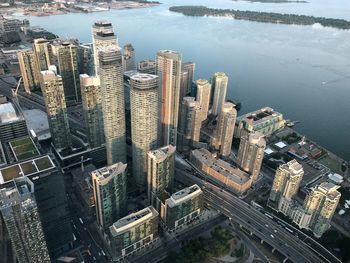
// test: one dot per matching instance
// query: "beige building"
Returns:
(203, 96)
(168, 69)
(232, 178)
(219, 89)
(144, 121)
(43, 54)
(29, 70)
(129, 62)
(251, 153)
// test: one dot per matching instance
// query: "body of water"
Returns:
(300, 71)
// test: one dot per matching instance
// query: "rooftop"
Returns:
(260, 115)
(8, 113)
(106, 173)
(162, 153)
(23, 149)
(184, 195)
(37, 121)
(143, 77)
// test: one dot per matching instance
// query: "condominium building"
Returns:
(86, 59)
(19, 212)
(133, 233)
(144, 121)
(203, 96)
(160, 175)
(265, 120)
(219, 89)
(182, 207)
(147, 66)
(29, 70)
(129, 62)
(53, 93)
(112, 87)
(188, 67)
(285, 186)
(223, 134)
(92, 109)
(43, 54)
(109, 187)
(322, 202)
(168, 69)
(221, 172)
(251, 153)
(189, 124)
(102, 37)
(66, 59)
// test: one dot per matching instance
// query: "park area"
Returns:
(23, 149)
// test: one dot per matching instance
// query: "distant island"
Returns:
(273, 1)
(264, 17)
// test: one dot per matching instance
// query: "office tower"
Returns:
(65, 54)
(160, 175)
(12, 122)
(223, 134)
(29, 70)
(86, 59)
(109, 186)
(147, 66)
(144, 121)
(102, 37)
(20, 215)
(91, 97)
(219, 89)
(168, 68)
(42, 50)
(251, 153)
(183, 88)
(129, 62)
(52, 88)
(112, 87)
(189, 67)
(189, 124)
(134, 232)
(182, 207)
(285, 185)
(203, 96)
(322, 202)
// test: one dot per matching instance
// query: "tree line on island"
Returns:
(264, 17)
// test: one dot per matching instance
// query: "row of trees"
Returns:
(264, 17)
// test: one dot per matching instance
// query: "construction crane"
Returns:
(15, 92)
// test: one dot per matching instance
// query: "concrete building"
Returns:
(160, 175)
(102, 37)
(219, 89)
(223, 173)
(203, 96)
(265, 120)
(223, 134)
(182, 207)
(189, 124)
(251, 153)
(147, 66)
(129, 62)
(168, 69)
(29, 70)
(12, 122)
(285, 186)
(92, 109)
(43, 53)
(19, 212)
(133, 233)
(188, 67)
(86, 59)
(53, 93)
(109, 186)
(112, 87)
(144, 121)
(322, 202)
(66, 58)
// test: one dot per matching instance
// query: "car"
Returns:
(272, 236)
(275, 230)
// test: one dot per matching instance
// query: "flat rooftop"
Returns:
(162, 153)
(23, 149)
(37, 121)
(260, 115)
(184, 195)
(26, 168)
(8, 113)
(109, 171)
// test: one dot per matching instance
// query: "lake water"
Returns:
(301, 71)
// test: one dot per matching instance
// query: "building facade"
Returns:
(219, 89)
(29, 70)
(43, 53)
(147, 66)
(129, 62)
(203, 96)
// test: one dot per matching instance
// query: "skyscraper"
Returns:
(42, 50)
(144, 121)
(160, 174)
(285, 185)
(189, 124)
(251, 153)
(168, 69)
(102, 37)
(66, 57)
(189, 67)
(129, 62)
(322, 202)
(112, 87)
(109, 186)
(29, 70)
(219, 89)
(92, 109)
(19, 212)
(203, 96)
(223, 134)
(52, 88)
